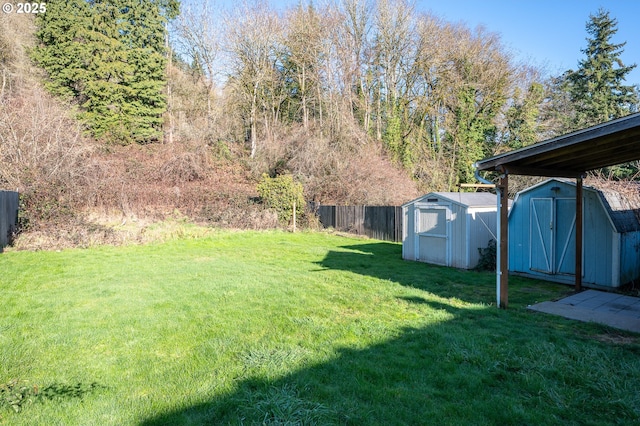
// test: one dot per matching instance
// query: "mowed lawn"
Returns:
(280, 328)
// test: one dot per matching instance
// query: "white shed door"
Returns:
(432, 231)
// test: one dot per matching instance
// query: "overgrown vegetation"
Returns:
(305, 328)
(435, 95)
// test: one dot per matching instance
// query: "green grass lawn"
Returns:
(306, 328)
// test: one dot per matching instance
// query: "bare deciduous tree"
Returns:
(304, 44)
(199, 32)
(254, 39)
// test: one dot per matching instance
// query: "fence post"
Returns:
(294, 216)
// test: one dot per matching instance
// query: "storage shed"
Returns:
(542, 223)
(448, 228)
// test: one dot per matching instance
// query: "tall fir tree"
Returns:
(597, 88)
(108, 56)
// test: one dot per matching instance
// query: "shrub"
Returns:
(488, 257)
(281, 193)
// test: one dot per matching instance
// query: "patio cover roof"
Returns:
(571, 155)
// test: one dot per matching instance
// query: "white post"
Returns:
(294, 215)
(498, 234)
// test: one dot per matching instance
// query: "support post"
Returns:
(579, 226)
(504, 241)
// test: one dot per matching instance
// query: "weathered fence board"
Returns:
(327, 216)
(8, 216)
(380, 222)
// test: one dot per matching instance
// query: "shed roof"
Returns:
(465, 199)
(622, 201)
(571, 155)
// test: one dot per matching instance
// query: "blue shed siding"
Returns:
(519, 234)
(599, 241)
(630, 257)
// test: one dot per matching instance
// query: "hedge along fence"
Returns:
(8, 216)
(380, 222)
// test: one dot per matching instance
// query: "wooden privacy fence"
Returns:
(380, 222)
(8, 216)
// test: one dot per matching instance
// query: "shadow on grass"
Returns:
(457, 370)
(407, 380)
(384, 261)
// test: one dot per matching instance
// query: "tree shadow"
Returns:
(437, 374)
(401, 381)
(383, 260)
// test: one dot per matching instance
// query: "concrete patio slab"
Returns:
(614, 310)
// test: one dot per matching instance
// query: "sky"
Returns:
(549, 34)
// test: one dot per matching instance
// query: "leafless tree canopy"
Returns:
(434, 95)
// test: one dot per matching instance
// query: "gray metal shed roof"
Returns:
(467, 199)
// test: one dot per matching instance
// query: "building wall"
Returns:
(629, 257)
(600, 244)
(458, 239)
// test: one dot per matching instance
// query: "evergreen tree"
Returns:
(108, 56)
(597, 87)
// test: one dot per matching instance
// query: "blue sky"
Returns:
(546, 33)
